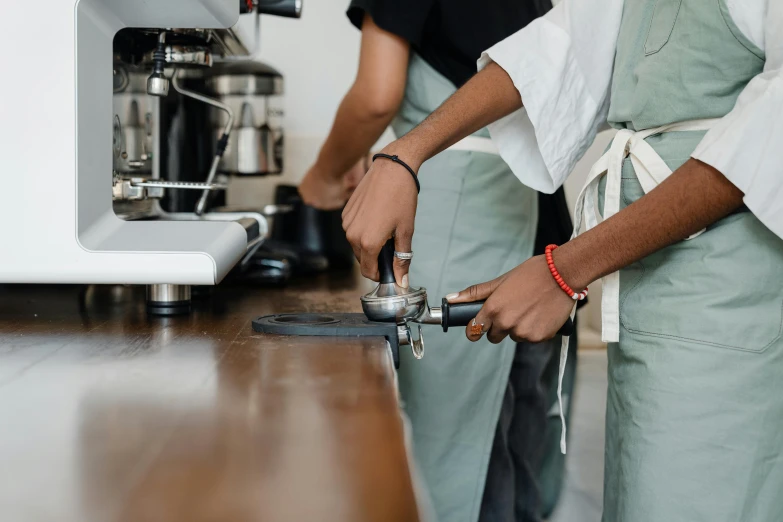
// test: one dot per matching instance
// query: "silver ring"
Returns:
(407, 256)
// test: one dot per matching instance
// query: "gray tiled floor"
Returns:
(581, 499)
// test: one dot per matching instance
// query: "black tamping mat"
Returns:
(329, 325)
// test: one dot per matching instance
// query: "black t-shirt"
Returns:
(450, 35)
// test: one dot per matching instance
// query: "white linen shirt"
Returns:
(562, 63)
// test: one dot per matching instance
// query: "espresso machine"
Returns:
(114, 162)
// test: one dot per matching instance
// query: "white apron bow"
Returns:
(651, 170)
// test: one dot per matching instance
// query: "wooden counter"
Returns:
(106, 414)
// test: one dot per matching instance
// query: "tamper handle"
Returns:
(386, 263)
(462, 314)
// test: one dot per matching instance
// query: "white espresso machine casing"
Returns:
(57, 224)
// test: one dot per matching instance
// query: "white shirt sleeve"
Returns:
(561, 65)
(747, 144)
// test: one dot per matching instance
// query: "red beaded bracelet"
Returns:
(576, 296)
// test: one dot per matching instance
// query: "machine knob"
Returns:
(158, 85)
(287, 8)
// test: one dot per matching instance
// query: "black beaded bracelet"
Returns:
(396, 159)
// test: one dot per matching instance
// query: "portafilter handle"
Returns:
(286, 8)
(386, 263)
(463, 313)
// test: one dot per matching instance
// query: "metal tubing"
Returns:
(202, 202)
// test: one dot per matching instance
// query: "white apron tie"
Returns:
(651, 170)
(471, 144)
(476, 144)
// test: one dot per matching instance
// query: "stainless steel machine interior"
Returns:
(254, 92)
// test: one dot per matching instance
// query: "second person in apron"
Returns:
(478, 417)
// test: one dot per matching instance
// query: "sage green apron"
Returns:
(695, 402)
(474, 222)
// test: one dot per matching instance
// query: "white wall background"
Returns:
(318, 55)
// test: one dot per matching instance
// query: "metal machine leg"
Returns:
(168, 299)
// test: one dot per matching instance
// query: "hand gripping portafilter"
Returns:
(390, 303)
(388, 311)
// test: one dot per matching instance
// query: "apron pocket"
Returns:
(723, 289)
(662, 24)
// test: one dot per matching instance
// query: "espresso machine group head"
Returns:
(95, 149)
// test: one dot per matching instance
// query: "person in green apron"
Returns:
(478, 419)
(683, 220)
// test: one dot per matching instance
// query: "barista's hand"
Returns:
(325, 192)
(322, 191)
(382, 206)
(353, 177)
(525, 304)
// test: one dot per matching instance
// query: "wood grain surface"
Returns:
(109, 415)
